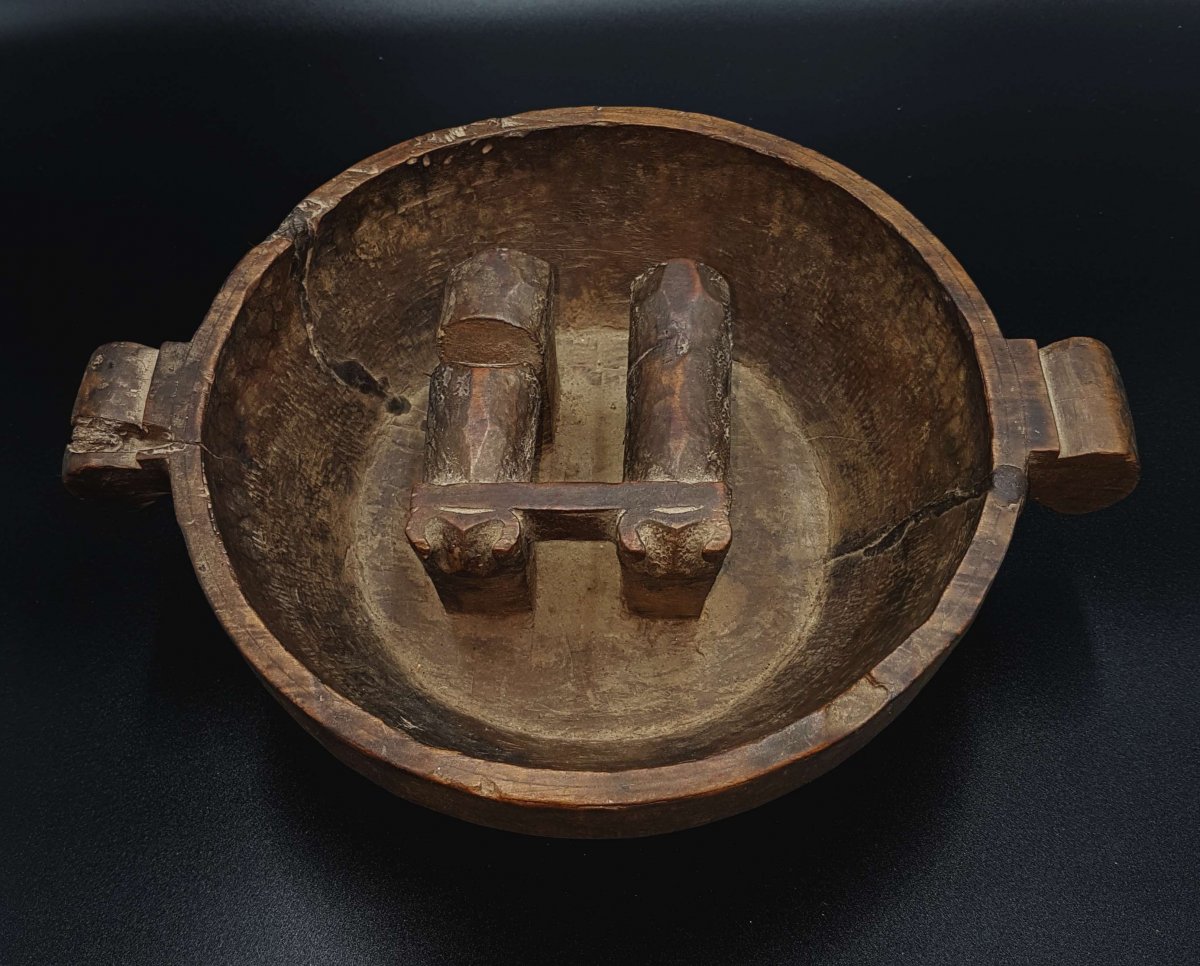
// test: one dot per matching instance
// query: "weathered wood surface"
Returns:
(1089, 457)
(110, 434)
(568, 510)
(680, 364)
(482, 424)
(482, 427)
(881, 415)
(677, 428)
(482, 416)
(486, 405)
(497, 310)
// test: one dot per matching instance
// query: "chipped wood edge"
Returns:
(639, 801)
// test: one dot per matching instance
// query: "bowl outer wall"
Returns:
(629, 802)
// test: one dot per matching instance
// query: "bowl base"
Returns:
(579, 681)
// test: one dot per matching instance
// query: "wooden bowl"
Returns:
(884, 437)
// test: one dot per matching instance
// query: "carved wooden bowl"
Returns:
(884, 438)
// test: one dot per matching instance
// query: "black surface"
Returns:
(1039, 801)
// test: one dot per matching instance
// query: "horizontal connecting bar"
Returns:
(477, 539)
(572, 511)
(477, 517)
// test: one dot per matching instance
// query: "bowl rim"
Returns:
(632, 801)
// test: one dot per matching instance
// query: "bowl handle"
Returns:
(121, 423)
(1082, 452)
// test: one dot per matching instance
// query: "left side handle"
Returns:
(121, 423)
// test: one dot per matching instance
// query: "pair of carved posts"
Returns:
(475, 519)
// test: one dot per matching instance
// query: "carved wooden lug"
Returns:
(1083, 455)
(479, 560)
(670, 558)
(120, 426)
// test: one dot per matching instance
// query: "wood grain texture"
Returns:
(473, 534)
(871, 384)
(487, 400)
(482, 424)
(677, 428)
(581, 510)
(482, 427)
(680, 361)
(108, 455)
(497, 310)
(1095, 462)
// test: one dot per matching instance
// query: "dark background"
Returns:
(1040, 802)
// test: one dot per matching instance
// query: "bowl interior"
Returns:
(860, 446)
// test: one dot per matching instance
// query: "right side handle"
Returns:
(1083, 454)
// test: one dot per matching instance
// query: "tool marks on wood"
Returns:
(497, 384)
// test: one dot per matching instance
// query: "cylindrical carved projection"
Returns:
(680, 359)
(492, 393)
(498, 311)
(482, 424)
(676, 429)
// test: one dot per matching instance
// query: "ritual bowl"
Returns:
(884, 437)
